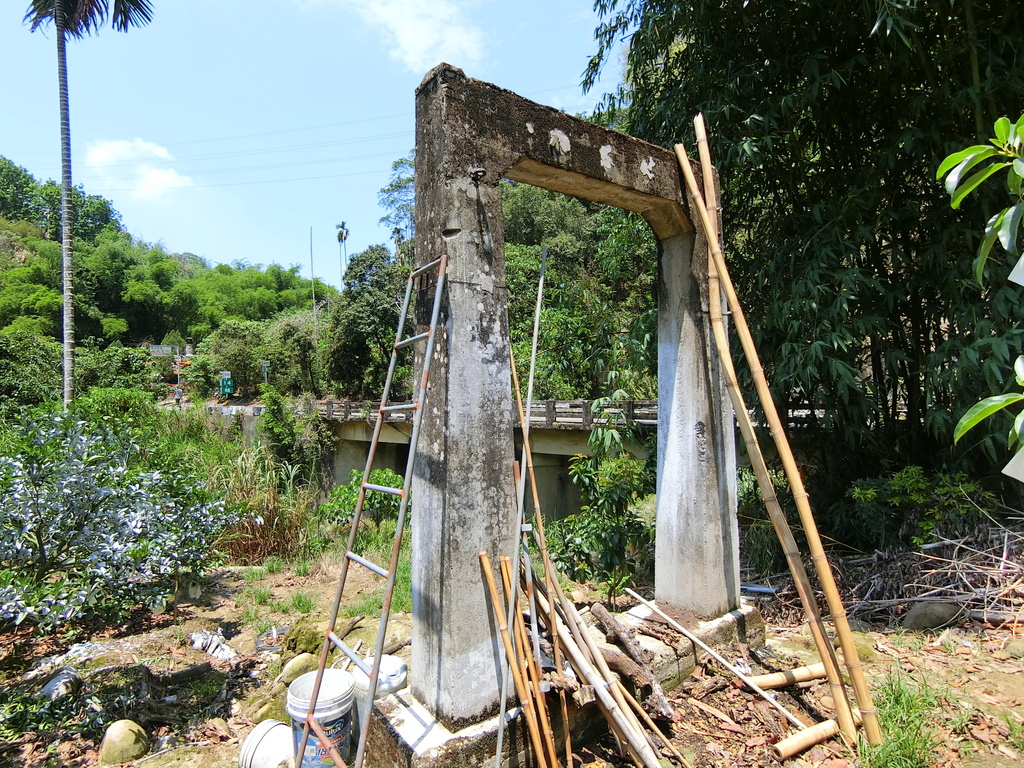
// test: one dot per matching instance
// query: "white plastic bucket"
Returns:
(332, 712)
(392, 677)
(267, 746)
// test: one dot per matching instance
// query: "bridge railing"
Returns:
(544, 414)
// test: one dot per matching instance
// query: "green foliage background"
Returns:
(828, 121)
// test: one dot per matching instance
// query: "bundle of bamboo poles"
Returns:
(637, 734)
(719, 283)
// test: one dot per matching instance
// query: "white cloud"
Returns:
(138, 167)
(423, 33)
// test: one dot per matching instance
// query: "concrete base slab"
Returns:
(673, 664)
(403, 734)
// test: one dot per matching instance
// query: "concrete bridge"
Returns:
(559, 429)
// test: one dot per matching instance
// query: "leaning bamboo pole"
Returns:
(621, 721)
(522, 688)
(538, 526)
(529, 663)
(775, 513)
(800, 496)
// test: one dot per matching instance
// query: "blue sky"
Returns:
(227, 128)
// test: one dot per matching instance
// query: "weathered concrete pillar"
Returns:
(464, 497)
(696, 539)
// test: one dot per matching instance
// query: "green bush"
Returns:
(86, 529)
(911, 507)
(377, 506)
(608, 541)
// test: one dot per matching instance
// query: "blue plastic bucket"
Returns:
(333, 712)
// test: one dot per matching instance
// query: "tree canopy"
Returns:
(828, 121)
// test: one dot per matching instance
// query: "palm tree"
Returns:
(76, 18)
(342, 237)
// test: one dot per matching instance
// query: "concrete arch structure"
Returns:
(469, 135)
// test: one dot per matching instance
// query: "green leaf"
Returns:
(981, 411)
(953, 180)
(1018, 166)
(1018, 430)
(1002, 130)
(972, 183)
(1018, 370)
(1009, 226)
(958, 157)
(991, 232)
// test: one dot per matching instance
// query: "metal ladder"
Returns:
(416, 407)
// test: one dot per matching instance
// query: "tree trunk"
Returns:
(66, 231)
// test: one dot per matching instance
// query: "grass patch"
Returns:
(301, 568)
(302, 602)
(250, 615)
(258, 595)
(254, 574)
(273, 564)
(906, 712)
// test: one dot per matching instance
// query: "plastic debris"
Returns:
(213, 643)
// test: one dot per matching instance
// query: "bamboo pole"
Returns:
(538, 526)
(640, 749)
(775, 513)
(800, 496)
(524, 693)
(790, 676)
(801, 740)
(529, 662)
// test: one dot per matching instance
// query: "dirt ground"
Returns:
(203, 708)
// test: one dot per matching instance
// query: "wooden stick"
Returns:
(640, 750)
(524, 694)
(718, 657)
(789, 676)
(796, 483)
(801, 740)
(652, 726)
(531, 665)
(775, 513)
(657, 698)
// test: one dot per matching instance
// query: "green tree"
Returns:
(19, 193)
(76, 18)
(828, 120)
(30, 374)
(399, 199)
(362, 325)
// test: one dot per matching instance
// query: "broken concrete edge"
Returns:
(405, 735)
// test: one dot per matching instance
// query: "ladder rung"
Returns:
(383, 489)
(412, 340)
(344, 647)
(400, 407)
(425, 268)
(367, 564)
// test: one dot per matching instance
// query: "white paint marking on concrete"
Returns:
(560, 141)
(607, 159)
(529, 127)
(647, 167)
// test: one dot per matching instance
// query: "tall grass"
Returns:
(277, 503)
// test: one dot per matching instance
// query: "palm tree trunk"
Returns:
(66, 233)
